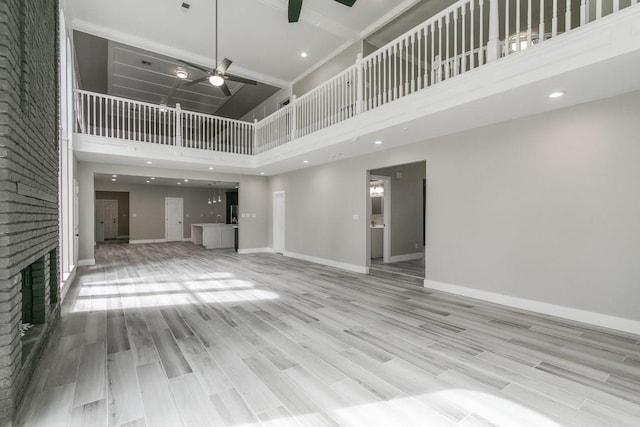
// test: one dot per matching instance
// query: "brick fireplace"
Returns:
(29, 156)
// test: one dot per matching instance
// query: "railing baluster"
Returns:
(529, 24)
(598, 9)
(541, 26)
(464, 38)
(517, 40)
(567, 17)
(554, 20)
(481, 59)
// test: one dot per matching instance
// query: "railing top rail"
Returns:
(280, 111)
(425, 23)
(211, 116)
(351, 69)
(117, 98)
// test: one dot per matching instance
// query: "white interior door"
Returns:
(278, 221)
(173, 219)
(110, 219)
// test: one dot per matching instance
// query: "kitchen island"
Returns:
(213, 235)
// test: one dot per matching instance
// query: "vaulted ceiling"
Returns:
(133, 48)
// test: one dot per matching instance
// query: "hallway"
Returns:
(172, 334)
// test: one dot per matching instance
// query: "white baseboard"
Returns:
(406, 257)
(123, 237)
(255, 251)
(329, 262)
(86, 262)
(138, 242)
(584, 316)
(186, 239)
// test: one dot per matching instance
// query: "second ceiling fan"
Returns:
(295, 6)
(218, 75)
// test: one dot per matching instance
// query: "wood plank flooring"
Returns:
(172, 335)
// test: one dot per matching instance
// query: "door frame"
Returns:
(278, 195)
(166, 218)
(386, 212)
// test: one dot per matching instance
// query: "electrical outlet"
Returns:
(416, 246)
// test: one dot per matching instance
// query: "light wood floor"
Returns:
(171, 334)
(411, 271)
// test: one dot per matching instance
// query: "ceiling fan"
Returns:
(218, 75)
(295, 6)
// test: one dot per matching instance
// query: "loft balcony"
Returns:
(475, 63)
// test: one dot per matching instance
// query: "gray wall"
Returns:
(407, 229)
(148, 206)
(544, 208)
(328, 70)
(252, 200)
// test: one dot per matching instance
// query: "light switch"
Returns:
(356, 217)
(133, 215)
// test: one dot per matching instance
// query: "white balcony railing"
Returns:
(464, 36)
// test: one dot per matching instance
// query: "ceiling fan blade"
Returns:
(346, 2)
(295, 6)
(197, 67)
(239, 79)
(173, 89)
(196, 81)
(225, 89)
(224, 65)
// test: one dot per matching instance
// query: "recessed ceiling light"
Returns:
(182, 74)
(152, 178)
(149, 163)
(113, 179)
(114, 176)
(305, 161)
(378, 142)
(303, 54)
(179, 183)
(186, 180)
(261, 173)
(148, 181)
(557, 94)
(210, 169)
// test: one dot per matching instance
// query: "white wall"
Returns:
(543, 208)
(329, 69)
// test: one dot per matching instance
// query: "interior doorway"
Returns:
(278, 222)
(397, 222)
(380, 219)
(106, 220)
(174, 230)
(115, 228)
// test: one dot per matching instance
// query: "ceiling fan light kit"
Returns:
(216, 80)
(182, 74)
